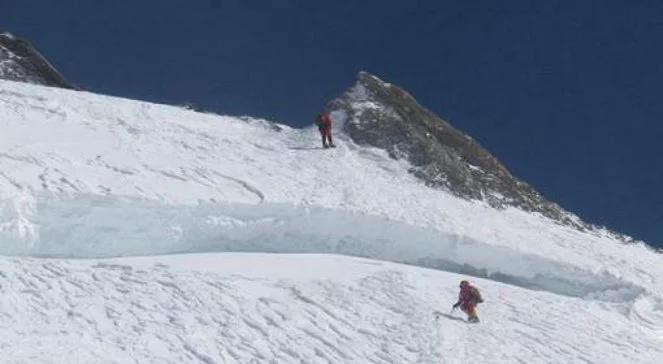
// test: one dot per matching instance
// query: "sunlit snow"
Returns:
(121, 224)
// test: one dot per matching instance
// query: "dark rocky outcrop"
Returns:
(20, 61)
(377, 113)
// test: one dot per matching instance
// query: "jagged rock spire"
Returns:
(380, 114)
(20, 61)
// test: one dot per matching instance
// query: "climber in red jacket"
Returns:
(468, 299)
(324, 123)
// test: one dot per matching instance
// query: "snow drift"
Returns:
(94, 226)
(89, 176)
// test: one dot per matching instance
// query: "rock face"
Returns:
(377, 113)
(20, 61)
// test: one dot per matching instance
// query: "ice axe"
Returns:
(437, 314)
(453, 308)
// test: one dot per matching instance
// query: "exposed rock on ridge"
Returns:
(377, 113)
(20, 61)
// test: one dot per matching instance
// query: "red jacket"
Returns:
(324, 121)
(469, 296)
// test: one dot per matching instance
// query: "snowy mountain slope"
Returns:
(237, 308)
(383, 115)
(90, 176)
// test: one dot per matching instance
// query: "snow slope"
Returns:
(90, 176)
(227, 308)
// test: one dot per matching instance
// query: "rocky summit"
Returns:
(20, 61)
(380, 114)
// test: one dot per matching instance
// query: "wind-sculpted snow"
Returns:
(94, 227)
(89, 177)
(58, 142)
(247, 308)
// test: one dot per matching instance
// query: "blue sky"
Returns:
(565, 93)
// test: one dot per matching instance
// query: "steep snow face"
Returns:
(110, 154)
(89, 176)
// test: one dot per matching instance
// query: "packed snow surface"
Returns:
(106, 180)
(256, 308)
